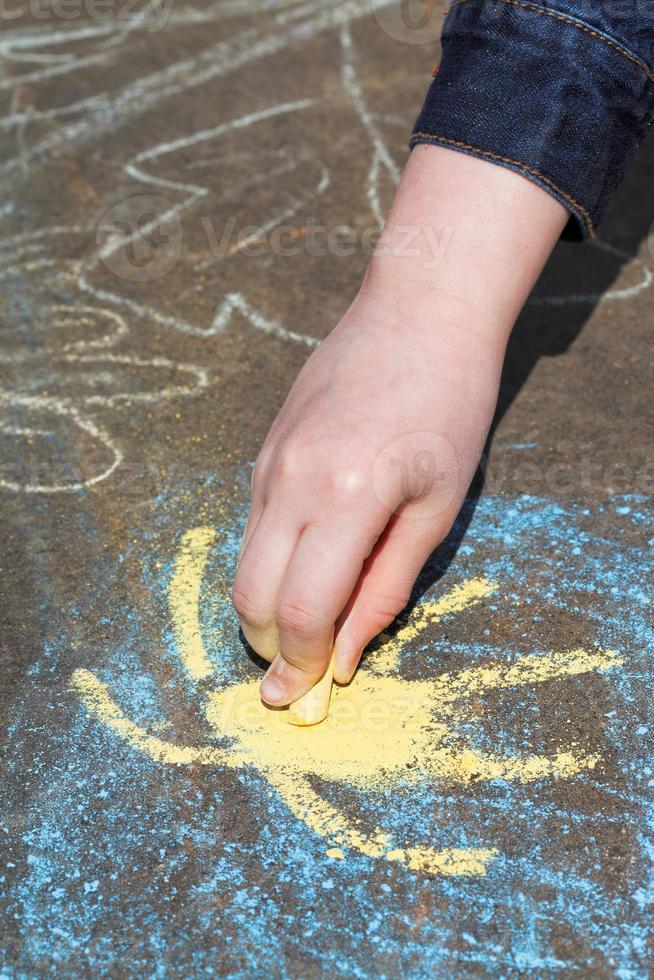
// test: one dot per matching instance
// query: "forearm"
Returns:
(473, 236)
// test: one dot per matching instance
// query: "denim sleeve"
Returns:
(560, 92)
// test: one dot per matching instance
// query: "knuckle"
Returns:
(259, 470)
(247, 609)
(290, 463)
(440, 526)
(382, 609)
(296, 617)
(311, 669)
(348, 483)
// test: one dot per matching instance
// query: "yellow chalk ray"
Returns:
(467, 765)
(462, 862)
(462, 596)
(184, 600)
(329, 822)
(527, 670)
(97, 700)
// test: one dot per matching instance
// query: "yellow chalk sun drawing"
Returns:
(382, 731)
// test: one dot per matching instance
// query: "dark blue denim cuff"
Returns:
(534, 88)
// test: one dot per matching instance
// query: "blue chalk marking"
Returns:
(216, 875)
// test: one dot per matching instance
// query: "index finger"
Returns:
(319, 580)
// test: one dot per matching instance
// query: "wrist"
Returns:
(431, 304)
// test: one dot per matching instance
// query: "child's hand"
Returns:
(370, 458)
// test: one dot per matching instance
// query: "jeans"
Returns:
(560, 92)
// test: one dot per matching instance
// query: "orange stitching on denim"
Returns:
(515, 163)
(582, 27)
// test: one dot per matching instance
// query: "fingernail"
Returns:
(272, 690)
(345, 667)
(264, 642)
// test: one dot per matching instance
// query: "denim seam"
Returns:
(581, 211)
(582, 27)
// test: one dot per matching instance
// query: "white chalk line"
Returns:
(86, 351)
(30, 37)
(10, 272)
(381, 156)
(67, 408)
(104, 113)
(41, 233)
(102, 104)
(38, 115)
(18, 430)
(50, 58)
(240, 122)
(200, 374)
(234, 302)
(286, 214)
(627, 292)
(18, 253)
(56, 406)
(21, 48)
(195, 192)
(274, 221)
(43, 74)
(247, 156)
(120, 328)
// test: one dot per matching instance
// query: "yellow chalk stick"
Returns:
(313, 706)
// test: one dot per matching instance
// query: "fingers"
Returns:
(256, 508)
(384, 588)
(321, 575)
(254, 517)
(265, 556)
